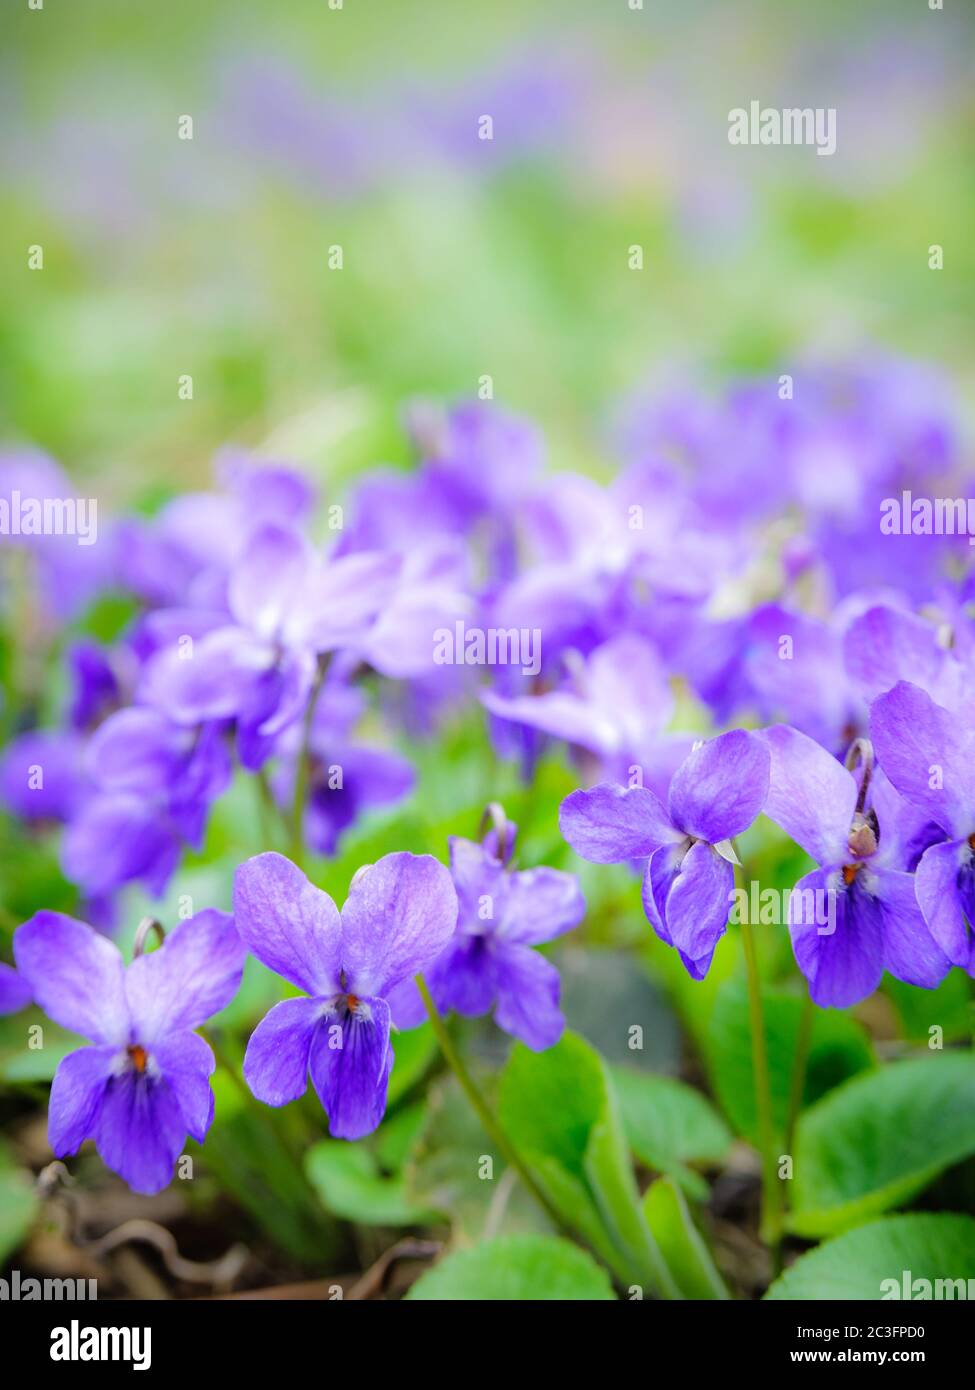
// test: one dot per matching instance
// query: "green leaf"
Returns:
(590, 977)
(560, 1108)
(348, 1180)
(24, 1064)
(680, 1242)
(516, 1269)
(875, 1142)
(838, 1049)
(397, 1134)
(244, 1150)
(871, 1261)
(413, 1051)
(669, 1125)
(948, 1008)
(18, 1205)
(443, 1169)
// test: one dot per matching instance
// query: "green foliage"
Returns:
(561, 1106)
(949, 1008)
(669, 1125)
(878, 1140)
(681, 1243)
(253, 1162)
(516, 1269)
(21, 1064)
(348, 1180)
(443, 1170)
(18, 1204)
(860, 1264)
(839, 1049)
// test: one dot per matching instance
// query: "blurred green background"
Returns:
(315, 127)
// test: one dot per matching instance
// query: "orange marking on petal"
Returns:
(850, 872)
(139, 1057)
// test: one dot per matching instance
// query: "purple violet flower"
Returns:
(715, 794)
(614, 706)
(15, 992)
(155, 783)
(866, 839)
(288, 605)
(145, 1082)
(489, 962)
(42, 776)
(96, 691)
(929, 755)
(399, 914)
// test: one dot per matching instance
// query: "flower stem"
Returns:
(303, 766)
(798, 1083)
(665, 1284)
(270, 816)
(491, 1126)
(771, 1224)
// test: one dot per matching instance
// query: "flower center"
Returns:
(352, 1002)
(138, 1057)
(850, 872)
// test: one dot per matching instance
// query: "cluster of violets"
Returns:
(734, 572)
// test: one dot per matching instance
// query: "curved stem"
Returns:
(487, 1119)
(771, 1226)
(147, 925)
(665, 1284)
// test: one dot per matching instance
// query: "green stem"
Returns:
(771, 1225)
(303, 766)
(491, 1126)
(270, 816)
(798, 1083)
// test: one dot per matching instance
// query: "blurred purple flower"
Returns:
(42, 776)
(288, 606)
(928, 753)
(614, 706)
(155, 781)
(15, 992)
(183, 554)
(96, 691)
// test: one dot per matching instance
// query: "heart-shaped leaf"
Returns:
(884, 1259)
(520, 1268)
(875, 1142)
